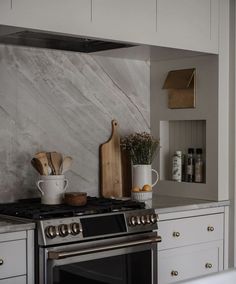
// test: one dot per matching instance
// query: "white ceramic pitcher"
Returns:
(142, 174)
(52, 188)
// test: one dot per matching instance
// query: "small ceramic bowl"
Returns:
(75, 198)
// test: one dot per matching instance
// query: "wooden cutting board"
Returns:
(110, 165)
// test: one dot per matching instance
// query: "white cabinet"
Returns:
(126, 20)
(17, 257)
(187, 262)
(194, 243)
(188, 24)
(5, 8)
(72, 17)
(188, 231)
(14, 280)
(12, 258)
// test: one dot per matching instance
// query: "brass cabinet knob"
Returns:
(176, 234)
(210, 228)
(174, 273)
(208, 265)
(1, 261)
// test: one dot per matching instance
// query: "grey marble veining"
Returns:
(64, 101)
(12, 224)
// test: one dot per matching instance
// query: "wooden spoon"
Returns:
(66, 164)
(56, 159)
(37, 165)
(42, 158)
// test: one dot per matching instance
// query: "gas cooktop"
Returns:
(33, 209)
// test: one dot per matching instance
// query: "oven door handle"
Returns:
(64, 254)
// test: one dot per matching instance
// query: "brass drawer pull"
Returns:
(208, 265)
(210, 228)
(176, 234)
(1, 261)
(174, 273)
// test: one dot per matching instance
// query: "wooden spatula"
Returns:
(66, 164)
(56, 159)
(42, 158)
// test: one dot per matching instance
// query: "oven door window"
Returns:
(131, 268)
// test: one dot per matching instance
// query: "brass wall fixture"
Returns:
(181, 88)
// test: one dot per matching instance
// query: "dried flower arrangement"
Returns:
(141, 147)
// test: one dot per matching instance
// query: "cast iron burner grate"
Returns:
(33, 209)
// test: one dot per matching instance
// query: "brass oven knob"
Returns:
(63, 230)
(75, 229)
(132, 221)
(153, 218)
(148, 221)
(138, 220)
(51, 232)
(143, 220)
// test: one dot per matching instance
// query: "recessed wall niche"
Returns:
(180, 135)
(184, 128)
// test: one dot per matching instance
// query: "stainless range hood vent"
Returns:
(56, 41)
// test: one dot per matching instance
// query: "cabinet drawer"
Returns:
(13, 258)
(188, 262)
(192, 230)
(14, 280)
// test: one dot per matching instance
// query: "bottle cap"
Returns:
(199, 151)
(190, 150)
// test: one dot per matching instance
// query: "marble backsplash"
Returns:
(63, 101)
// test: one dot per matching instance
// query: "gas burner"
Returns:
(33, 209)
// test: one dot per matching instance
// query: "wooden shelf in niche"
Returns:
(180, 135)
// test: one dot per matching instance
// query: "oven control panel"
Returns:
(78, 228)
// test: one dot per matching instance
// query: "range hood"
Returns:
(34, 38)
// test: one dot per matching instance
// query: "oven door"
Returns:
(124, 260)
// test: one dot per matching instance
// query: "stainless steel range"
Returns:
(106, 241)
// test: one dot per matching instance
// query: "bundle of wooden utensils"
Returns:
(51, 163)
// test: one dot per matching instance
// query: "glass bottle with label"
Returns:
(183, 167)
(190, 166)
(199, 166)
(177, 166)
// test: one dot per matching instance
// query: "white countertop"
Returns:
(13, 224)
(161, 203)
(168, 204)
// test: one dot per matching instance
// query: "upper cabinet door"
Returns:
(190, 24)
(54, 15)
(128, 20)
(5, 8)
